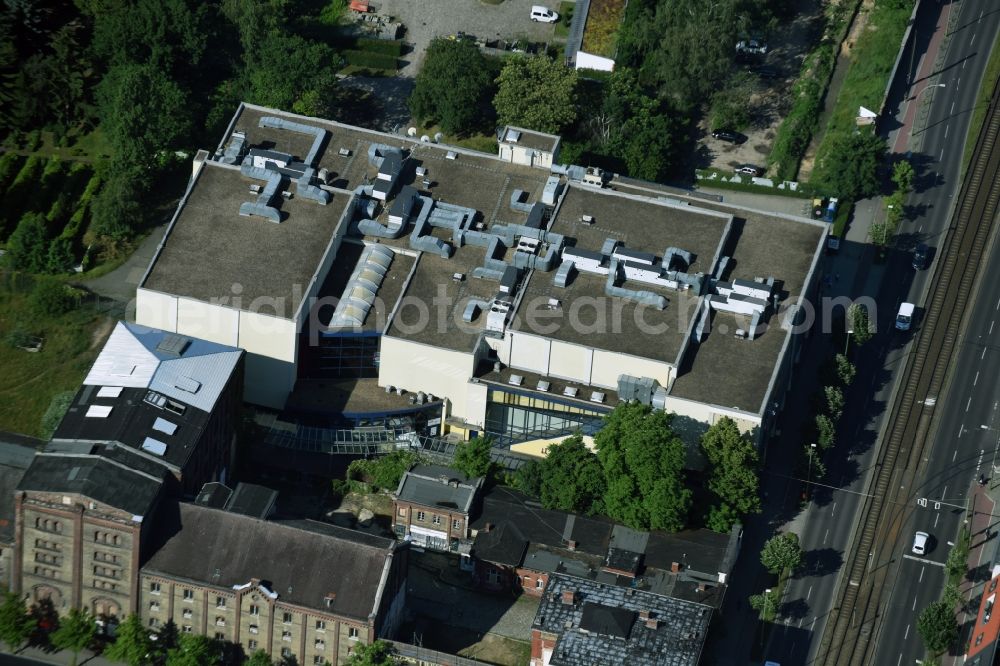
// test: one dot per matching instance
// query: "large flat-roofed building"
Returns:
(301, 589)
(155, 417)
(416, 284)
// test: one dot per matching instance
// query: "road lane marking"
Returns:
(953, 455)
(800, 623)
(826, 535)
(976, 379)
(920, 580)
(914, 606)
(936, 516)
(991, 326)
(922, 561)
(998, 305)
(946, 131)
(958, 83)
(952, 108)
(941, 156)
(833, 510)
(900, 660)
(906, 634)
(983, 354)
(808, 592)
(968, 404)
(961, 429)
(973, 39)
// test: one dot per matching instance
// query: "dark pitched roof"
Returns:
(438, 486)
(502, 545)
(252, 500)
(303, 566)
(16, 454)
(214, 495)
(96, 478)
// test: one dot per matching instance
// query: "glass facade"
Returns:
(516, 417)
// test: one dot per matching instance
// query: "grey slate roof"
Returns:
(96, 478)
(16, 454)
(438, 486)
(253, 500)
(604, 625)
(224, 549)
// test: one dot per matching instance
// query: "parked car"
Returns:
(752, 46)
(921, 255)
(831, 210)
(904, 318)
(727, 135)
(543, 14)
(749, 169)
(920, 542)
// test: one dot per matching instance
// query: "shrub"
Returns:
(370, 59)
(392, 47)
(54, 414)
(52, 298)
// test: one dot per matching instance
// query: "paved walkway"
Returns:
(61, 658)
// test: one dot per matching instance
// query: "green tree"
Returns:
(454, 87)
(811, 463)
(259, 658)
(55, 412)
(132, 644)
(938, 627)
(571, 477)
(116, 211)
(193, 650)
(291, 70)
(536, 93)
(859, 323)
(782, 551)
(825, 432)
(851, 168)
(170, 35)
(52, 298)
(732, 102)
(834, 401)
(27, 248)
(957, 563)
(643, 461)
(379, 653)
(765, 603)
(385, 471)
(845, 370)
(903, 175)
(60, 256)
(76, 631)
(15, 622)
(733, 475)
(472, 457)
(528, 478)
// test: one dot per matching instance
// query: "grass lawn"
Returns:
(30, 380)
(990, 77)
(603, 20)
(484, 143)
(565, 19)
(872, 58)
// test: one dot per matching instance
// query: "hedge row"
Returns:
(15, 197)
(78, 222)
(10, 165)
(392, 48)
(369, 59)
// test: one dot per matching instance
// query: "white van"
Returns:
(905, 316)
(543, 14)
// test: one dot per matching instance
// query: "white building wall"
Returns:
(419, 367)
(571, 362)
(529, 352)
(608, 365)
(475, 406)
(156, 310)
(208, 321)
(709, 414)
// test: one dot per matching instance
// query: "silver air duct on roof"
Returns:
(304, 184)
(262, 207)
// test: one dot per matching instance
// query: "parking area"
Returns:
(510, 19)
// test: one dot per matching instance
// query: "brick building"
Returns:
(432, 504)
(155, 417)
(299, 589)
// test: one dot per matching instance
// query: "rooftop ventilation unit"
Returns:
(187, 384)
(515, 380)
(543, 386)
(109, 391)
(154, 446)
(156, 399)
(513, 136)
(452, 155)
(164, 426)
(597, 396)
(570, 391)
(587, 219)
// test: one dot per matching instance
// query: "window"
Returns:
(286, 636)
(219, 636)
(320, 644)
(352, 633)
(251, 644)
(254, 629)
(456, 524)
(154, 606)
(539, 583)
(220, 621)
(436, 519)
(320, 625)
(187, 614)
(421, 515)
(402, 511)
(254, 609)
(153, 622)
(318, 659)
(220, 602)
(286, 618)
(188, 595)
(154, 588)
(286, 652)
(187, 628)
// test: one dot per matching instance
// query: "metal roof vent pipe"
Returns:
(497, 366)
(421, 397)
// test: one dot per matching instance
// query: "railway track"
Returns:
(856, 615)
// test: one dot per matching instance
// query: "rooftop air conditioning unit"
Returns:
(597, 396)
(515, 380)
(571, 391)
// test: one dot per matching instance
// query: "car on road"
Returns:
(543, 14)
(749, 169)
(904, 318)
(751, 46)
(920, 542)
(727, 135)
(921, 254)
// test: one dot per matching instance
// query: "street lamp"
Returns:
(926, 88)
(847, 343)
(812, 447)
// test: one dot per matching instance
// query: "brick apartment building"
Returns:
(432, 504)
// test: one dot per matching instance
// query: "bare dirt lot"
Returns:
(788, 46)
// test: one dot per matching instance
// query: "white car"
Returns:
(904, 318)
(543, 14)
(920, 542)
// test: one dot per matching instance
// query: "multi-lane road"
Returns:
(829, 522)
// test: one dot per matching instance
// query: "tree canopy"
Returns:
(937, 627)
(15, 622)
(536, 93)
(378, 653)
(782, 551)
(76, 631)
(259, 658)
(454, 87)
(571, 478)
(643, 462)
(851, 169)
(733, 474)
(132, 644)
(472, 457)
(193, 650)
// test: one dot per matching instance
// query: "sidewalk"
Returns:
(61, 658)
